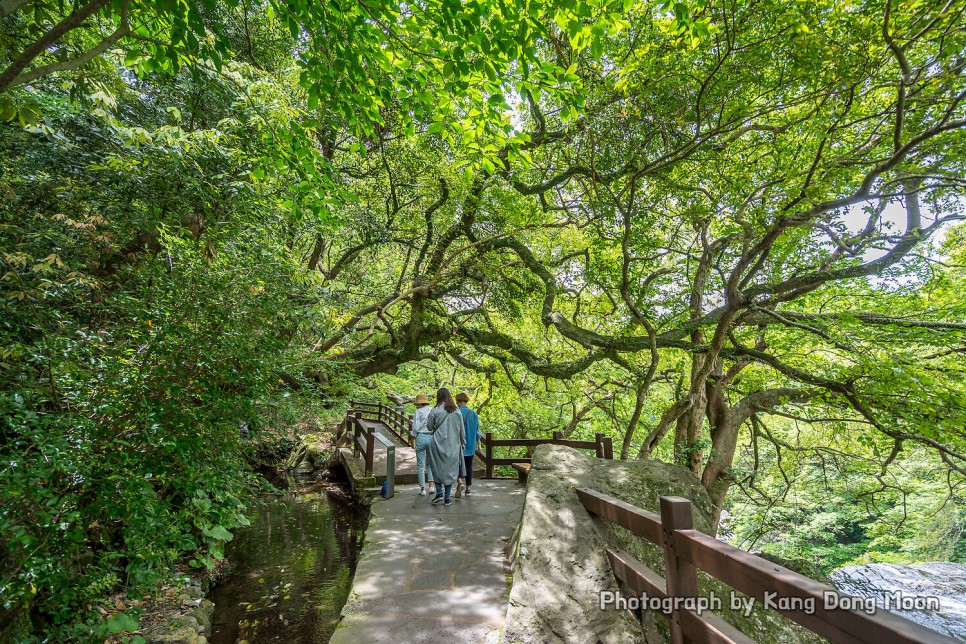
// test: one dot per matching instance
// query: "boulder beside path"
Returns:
(560, 566)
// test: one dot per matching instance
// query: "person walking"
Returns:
(423, 438)
(471, 427)
(445, 452)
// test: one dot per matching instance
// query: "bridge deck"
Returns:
(430, 573)
(382, 428)
(405, 460)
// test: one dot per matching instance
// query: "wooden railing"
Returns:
(363, 436)
(364, 439)
(602, 445)
(686, 550)
(397, 423)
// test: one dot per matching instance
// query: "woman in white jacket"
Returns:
(423, 439)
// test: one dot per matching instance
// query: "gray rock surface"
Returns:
(186, 624)
(560, 565)
(310, 455)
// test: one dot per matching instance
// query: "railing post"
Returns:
(681, 576)
(370, 450)
(558, 436)
(403, 427)
(489, 456)
(608, 448)
(599, 447)
(354, 432)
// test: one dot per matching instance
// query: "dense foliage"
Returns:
(723, 233)
(126, 375)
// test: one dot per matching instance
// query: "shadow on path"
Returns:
(430, 573)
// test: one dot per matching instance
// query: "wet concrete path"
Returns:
(430, 573)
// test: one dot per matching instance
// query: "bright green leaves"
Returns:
(22, 108)
(687, 19)
(439, 62)
(219, 533)
(121, 623)
(587, 25)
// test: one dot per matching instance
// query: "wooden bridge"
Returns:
(429, 574)
(374, 435)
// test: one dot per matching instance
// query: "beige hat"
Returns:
(421, 399)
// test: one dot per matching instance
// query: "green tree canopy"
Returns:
(697, 226)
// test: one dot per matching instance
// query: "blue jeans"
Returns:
(423, 442)
(441, 488)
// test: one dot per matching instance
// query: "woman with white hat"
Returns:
(423, 437)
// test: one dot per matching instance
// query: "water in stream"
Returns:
(883, 583)
(291, 570)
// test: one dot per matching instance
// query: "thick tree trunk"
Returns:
(639, 399)
(687, 432)
(718, 492)
(725, 423)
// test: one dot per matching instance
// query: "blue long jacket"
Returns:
(471, 425)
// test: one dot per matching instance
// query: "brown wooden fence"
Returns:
(397, 423)
(602, 445)
(687, 550)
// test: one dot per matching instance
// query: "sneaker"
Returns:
(467, 490)
(459, 490)
(422, 492)
(448, 502)
(438, 498)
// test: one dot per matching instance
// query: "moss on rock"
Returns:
(560, 564)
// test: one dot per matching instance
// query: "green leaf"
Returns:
(219, 532)
(120, 623)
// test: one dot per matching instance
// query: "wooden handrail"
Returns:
(603, 447)
(706, 627)
(687, 550)
(533, 442)
(397, 423)
(638, 521)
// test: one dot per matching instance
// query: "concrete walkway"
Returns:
(430, 573)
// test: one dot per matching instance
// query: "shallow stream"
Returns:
(291, 570)
(889, 586)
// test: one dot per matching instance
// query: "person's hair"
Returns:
(462, 398)
(444, 397)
